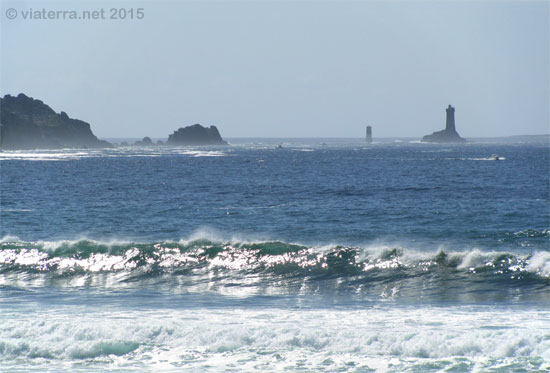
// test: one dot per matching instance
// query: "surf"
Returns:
(277, 267)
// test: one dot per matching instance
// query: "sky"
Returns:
(285, 68)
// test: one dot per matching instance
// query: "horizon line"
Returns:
(330, 137)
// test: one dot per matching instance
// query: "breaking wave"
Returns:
(375, 339)
(259, 266)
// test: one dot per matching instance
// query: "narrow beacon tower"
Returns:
(450, 123)
(369, 134)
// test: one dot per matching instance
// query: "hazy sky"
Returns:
(287, 69)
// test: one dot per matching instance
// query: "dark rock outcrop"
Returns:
(26, 123)
(449, 134)
(146, 141)
(196, 135)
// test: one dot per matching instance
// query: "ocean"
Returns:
(322, 255)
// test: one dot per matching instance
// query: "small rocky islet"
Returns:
(449, 134)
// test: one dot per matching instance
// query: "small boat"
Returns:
(496, 157)
(280, 146)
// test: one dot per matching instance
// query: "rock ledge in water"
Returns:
(196, 135)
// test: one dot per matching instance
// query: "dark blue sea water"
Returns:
(324, 255)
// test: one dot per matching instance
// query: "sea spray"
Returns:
(278, 266)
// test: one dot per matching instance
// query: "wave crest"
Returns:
(274, 257)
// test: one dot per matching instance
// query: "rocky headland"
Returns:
(449, 134)
(26, 123)
(196, 135)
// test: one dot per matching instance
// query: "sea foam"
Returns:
(379, 337)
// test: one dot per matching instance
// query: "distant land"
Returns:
(26, 123)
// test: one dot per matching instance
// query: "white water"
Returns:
(383, 337)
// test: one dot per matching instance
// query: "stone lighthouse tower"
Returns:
(369, 134)
(449, 134)
(450, 124)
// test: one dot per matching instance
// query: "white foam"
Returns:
(473, 258)
(53, 245)
(42, 156)
(540, 263)
(201, 153)
(381, 337)
(215, 236)
(477, 159)
(9, 238)
(124, 152)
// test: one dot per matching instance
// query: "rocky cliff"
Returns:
(26, 123)
(196, 135)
